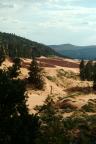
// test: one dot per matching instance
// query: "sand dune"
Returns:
(57, 86)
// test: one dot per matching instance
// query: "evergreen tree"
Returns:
(2, 55)
(52, 127)
(89, 71)
(15, 69)
(35, 75)
(82, 70)
(16, 124)
(94, 77)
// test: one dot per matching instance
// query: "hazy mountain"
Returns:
(13, 45)
(78, 52)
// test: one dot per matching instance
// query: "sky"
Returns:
(50, 21)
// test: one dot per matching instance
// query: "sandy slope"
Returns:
(66, 88)
(38, 97)
(58, 86)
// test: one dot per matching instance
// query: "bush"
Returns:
(78, 128)
(51, 78)
(67, 74)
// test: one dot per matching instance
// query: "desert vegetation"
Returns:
(79, 127)
(68, 74)
(64, 117)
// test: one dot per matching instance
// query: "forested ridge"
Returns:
(75, 51)
(16, 46)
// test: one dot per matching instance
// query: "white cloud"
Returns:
(34, 18)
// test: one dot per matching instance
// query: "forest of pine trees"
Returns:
(16, 46)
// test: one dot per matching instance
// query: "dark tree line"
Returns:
(16, 46)
(88, 71)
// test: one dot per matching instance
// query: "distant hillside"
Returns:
(16, 46)
(77, 52)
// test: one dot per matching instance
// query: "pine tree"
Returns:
(15, 69)
(89, 71)
(82, 70)
(52, 127)
(2, 55)
(94, 77)
(16, 124)
(35, 75)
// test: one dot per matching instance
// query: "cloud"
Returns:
(38, 19)
(6, 4)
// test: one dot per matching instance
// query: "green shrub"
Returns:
(67, 74)
(78, 128)
(51, 78)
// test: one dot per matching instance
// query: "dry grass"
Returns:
(90, 106)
